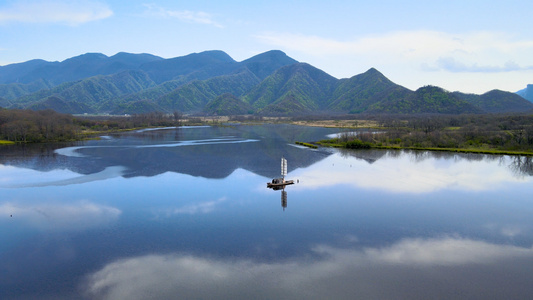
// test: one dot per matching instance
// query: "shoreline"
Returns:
(435, 149)
(340, 124)
(455, 150)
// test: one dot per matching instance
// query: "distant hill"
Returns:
(212, 82)
(527, 93)
(196, 65)
(73, 69)
(264, 64)
(14, 73)
(428, 99)
(497, 101)
(358, 93)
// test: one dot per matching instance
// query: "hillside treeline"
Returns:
(483, 132)
(50, 126)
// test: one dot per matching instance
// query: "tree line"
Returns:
(502, 132)
(30, 126)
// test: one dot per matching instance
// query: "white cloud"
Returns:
(431, 48)
(196, 17)
(452, 65)
(335, 273)
(55, 11)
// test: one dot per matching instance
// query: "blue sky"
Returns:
(469, 46)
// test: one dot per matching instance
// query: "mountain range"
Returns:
(212, 82)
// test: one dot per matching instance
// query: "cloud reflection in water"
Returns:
(410, 268)
(12, 177)
(198, 208)
(400, 174)
(63, 217)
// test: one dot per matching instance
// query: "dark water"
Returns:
(185, 214)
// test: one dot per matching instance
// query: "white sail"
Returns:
(283, 167)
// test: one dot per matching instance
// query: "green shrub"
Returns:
(357, 144)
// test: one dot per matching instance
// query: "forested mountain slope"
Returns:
(212, 82)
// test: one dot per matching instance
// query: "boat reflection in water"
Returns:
(283, 194)
(280, 183)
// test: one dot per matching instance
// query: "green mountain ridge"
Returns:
(60, 105)
(16, 90)
(497, 101)
(427, 100)
(202, 65)
(299, 82)
(89, 93)
(227, 105)
(212, 82)
(192, 96)
(13, 73)
(359, 92)
(264, 64)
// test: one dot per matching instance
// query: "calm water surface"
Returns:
(185, 213)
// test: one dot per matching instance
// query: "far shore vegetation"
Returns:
(510, 134)
(476, 133)
(28, 126)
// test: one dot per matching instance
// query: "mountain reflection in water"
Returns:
(191, 151)
(185, 213)
(149, 153)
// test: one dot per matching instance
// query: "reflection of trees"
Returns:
(369, 156)
(522, 165)
(157, 135)
(373, 155)
(418, 156)
(39, 156)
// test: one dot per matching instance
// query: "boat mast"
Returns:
(283, 168)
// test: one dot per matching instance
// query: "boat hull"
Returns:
(279, 185)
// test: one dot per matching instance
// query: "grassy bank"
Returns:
(306, 145)
(347, 124)
(358, 144)
(4, 142)
(502, 134)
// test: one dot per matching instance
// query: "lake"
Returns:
(184, 213)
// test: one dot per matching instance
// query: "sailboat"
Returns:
(278, 183)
